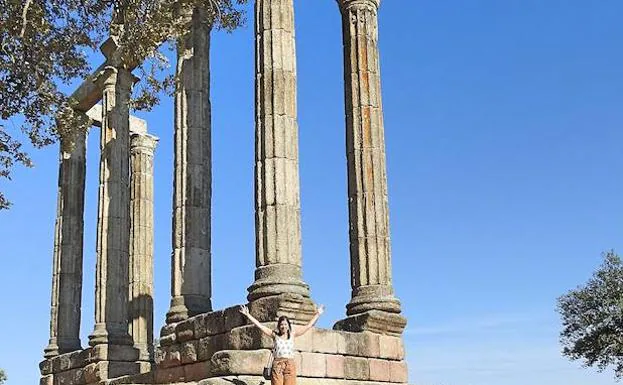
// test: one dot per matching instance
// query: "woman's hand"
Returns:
(244, 310)
(320, 309)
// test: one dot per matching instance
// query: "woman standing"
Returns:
(284, 369)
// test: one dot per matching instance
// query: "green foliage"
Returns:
(3, 377)
(43, 44)
(592, 318)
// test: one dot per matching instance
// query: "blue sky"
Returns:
(503, 133)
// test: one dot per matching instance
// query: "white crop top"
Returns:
(283, 348)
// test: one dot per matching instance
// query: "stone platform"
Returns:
(221, 348)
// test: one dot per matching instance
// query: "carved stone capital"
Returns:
(346, 5)
(144, 143)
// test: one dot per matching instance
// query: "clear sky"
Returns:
(504, 141)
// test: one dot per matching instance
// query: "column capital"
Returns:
(143, 142)
(349, 4)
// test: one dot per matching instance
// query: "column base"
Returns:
(297, 308)
(58, 346)
(110, 335)
(186, 306)
(373, 297)
(374, 321)
(276, 279)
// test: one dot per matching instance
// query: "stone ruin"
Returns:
(199, 344)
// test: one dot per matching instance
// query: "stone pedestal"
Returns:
(191, 286)
(67, 259)
(113, 221)
(277, 196)
(370, 252)
(141, 244)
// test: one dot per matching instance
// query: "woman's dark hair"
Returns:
(283, 318)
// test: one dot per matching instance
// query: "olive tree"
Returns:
(592, 318)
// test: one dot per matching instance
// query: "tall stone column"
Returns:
(191, 281)
(277, 196)
(113, 220)
(67, 258)
(373, 305)
(142, 243)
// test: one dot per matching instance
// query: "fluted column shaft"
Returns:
(68, 250)
(370, 252)
(113, 222)
(141, 243)
(191, 281)
(277, 197)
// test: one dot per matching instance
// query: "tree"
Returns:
(592, 318)
(44, 44)
(2, 377)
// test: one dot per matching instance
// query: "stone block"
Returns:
(172, 357)
(188, 352)
(47, 380)
(168, 330)
(199, 326)
(169, 375)
(374, 321)
(379, 370)
(398, 372)
(45, 366)
(214, 323)
(207, 346)
(113, 353)
(356, 368)
(391, 348)
(169, 339)
(197, 371)
(364, 344)
(296, 307)
(305, 343)
(324, 341)
(249, 338)
(185, 330)
(335, 365)
(232, 318)
(313, 365)
(233, 362)
(70, 377)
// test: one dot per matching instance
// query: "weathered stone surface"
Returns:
(255, 380)
(197, 371)
(335, 366)
(324, 341)
(169, 356)
(70, 377)
(141, 243)
(62, 362)
(391, 347)
(249, 338)
(113, 223)
(191, 286)
(207, 346)
(374, 321)
(113, 352)
(363, 344)
(104, 370)
(298, 308)
(185, 331)
(188, 352)
(398, 371)
(356, 368)
(379, 369)
(365, 142)
(277, 203)
(47, 380)
(68, 248)
(313, 365)
(169, 375)
(143, 378)
(237, 362)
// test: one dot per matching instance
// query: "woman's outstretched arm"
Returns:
(304, 329)
(245, 311)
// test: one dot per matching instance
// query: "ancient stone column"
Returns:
(370, 255)
(67, 258)
(191, 286)
(277, 197)
(142, 243)
(113, 220)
